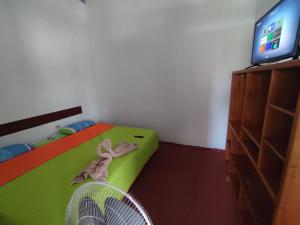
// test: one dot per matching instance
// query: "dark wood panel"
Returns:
(19, 125)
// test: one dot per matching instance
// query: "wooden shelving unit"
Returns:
(263, 143)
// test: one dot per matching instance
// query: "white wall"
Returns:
(262, 6)
(157, 63)
(167, 64)
(44, 63)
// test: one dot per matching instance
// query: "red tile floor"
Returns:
(185, 185)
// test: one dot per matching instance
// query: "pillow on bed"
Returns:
(11, 151)
(56, 137)
(5, 155)
(48, 140)
(75, 127)
(40, 143)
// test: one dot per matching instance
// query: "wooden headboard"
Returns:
(24, 124)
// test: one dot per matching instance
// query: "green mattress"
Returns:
(40, 196)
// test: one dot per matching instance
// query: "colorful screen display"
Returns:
(276, 34)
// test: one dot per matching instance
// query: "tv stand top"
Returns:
(280, 65)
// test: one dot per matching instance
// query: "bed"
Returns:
(36, 187)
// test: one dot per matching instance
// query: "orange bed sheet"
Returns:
(22, 164)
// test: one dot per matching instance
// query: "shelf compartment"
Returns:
(237, 96)
(260, 201)
(271, 166)
(249, 146)
(241, 200)
(285, 88)
(236, 147)
(254, 134)
(235, 125)
(245, 210)
(233, 145)
(277, 131)
(235, 181)
(255, 101)
(278, 146)
(286, 110)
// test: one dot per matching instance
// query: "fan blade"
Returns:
(90, 213)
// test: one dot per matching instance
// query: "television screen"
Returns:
(276, 34)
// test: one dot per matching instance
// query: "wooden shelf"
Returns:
(237, 97)
(254, 134)
(278, 146)
(235, 183)
(235, 126)
(264, 120)
(256, 95)
(285, 90)
(245, 211)
(242, 201)
(271, 167)
(277, 131)
(253, 152)
(260, 202)
(235, 147)
(249, 146)
(287, 109)
(273, 179)
(252, 149)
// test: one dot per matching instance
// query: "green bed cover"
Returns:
(40, 196)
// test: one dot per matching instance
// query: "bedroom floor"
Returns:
(186, 185)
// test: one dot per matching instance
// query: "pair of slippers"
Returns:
(116, 213)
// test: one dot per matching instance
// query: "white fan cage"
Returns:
(99, 203)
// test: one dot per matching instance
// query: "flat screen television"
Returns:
(276, 34)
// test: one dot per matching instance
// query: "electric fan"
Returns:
(99, 203)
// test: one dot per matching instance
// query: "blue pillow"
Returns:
(5, 155)
(75, 127)
(11, 151)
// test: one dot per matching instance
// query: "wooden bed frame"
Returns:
(24, 124)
